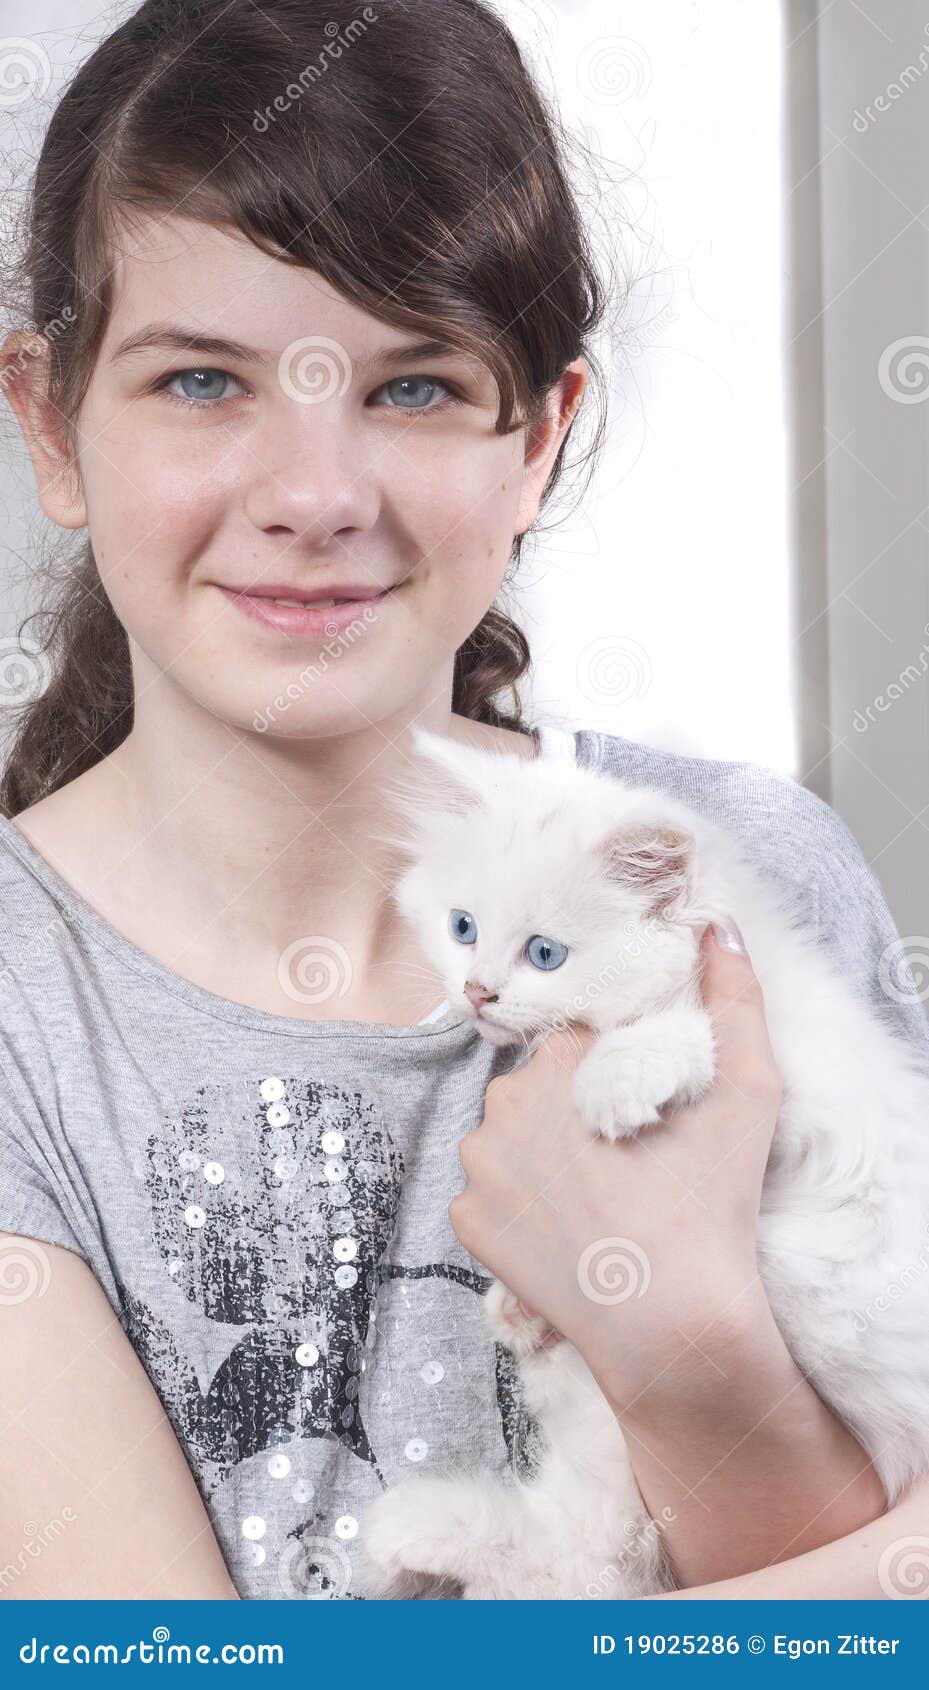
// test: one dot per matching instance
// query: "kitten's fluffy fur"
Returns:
(627, 878)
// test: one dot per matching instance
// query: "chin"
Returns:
(496, 1035)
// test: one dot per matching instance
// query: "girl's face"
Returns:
(316, 453)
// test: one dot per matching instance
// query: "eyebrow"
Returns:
(173, 337)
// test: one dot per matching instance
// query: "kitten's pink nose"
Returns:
(478, 995)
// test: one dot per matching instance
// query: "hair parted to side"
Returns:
(422, 175)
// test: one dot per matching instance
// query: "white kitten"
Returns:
(559, 894)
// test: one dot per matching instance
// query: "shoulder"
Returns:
(804, 847)
(774, 816)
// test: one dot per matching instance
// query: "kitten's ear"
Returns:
(656, 861)
(463, 768)
(441, 776)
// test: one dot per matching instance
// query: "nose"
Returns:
(307, 479)
(478, 995)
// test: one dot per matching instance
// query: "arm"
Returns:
(87, 1454)
(737, 1453)
(724, 1431)
(879, 1562)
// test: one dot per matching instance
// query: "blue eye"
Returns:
(399, 389)
(545, 953)
(462, 927)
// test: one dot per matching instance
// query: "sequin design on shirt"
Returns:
(274, 1222)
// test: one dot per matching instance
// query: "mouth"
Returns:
(297, 616)
(492, 1031)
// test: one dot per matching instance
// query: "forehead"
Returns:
(216, 280)
(512, 854)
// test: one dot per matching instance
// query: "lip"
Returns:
(310, 619)
(492, 1031)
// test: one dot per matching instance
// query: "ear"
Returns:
(656, 861)
(545, 438)
(24, 371)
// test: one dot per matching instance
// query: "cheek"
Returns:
(149, 523)
(460, 505)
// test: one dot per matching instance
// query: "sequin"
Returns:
(343, 1218)
(189, 1161)
(302, 1491)
(279, 1140)
(306, 1355)
(278, 1115)
(194, 1215)
(344, 1277)
(254, 1526)
(258, 1554)
(271, 1089)
(432, 1372)
(335, 1168)
(345, 1249)
(338, 1194)
(214, 1173)
(332, 1143)
(174, 1267)
(279, 1466)
(416, 1449)
(346, 1526)
(284, 1167)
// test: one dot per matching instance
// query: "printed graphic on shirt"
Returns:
(273, 1209)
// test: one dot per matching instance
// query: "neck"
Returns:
(274, 876)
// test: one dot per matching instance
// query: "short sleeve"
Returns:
(838, 897)
(32, 1201)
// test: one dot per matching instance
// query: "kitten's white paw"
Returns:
(510, 1326)
(394, 1530)
(414, 1539)
(614, 1097)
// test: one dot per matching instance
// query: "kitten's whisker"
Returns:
(411, 968)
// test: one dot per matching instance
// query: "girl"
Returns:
(328, 306)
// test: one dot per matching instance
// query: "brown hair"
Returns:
(411, 161)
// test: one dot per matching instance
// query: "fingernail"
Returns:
(728, 936)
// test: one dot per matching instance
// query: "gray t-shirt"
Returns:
(264, 1199)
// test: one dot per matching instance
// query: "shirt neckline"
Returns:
(213, 1004)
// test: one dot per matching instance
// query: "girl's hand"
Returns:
(640, 1252)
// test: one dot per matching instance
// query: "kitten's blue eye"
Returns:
(462, 927)
(545, 953)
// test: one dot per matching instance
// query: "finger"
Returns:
(734, 999)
